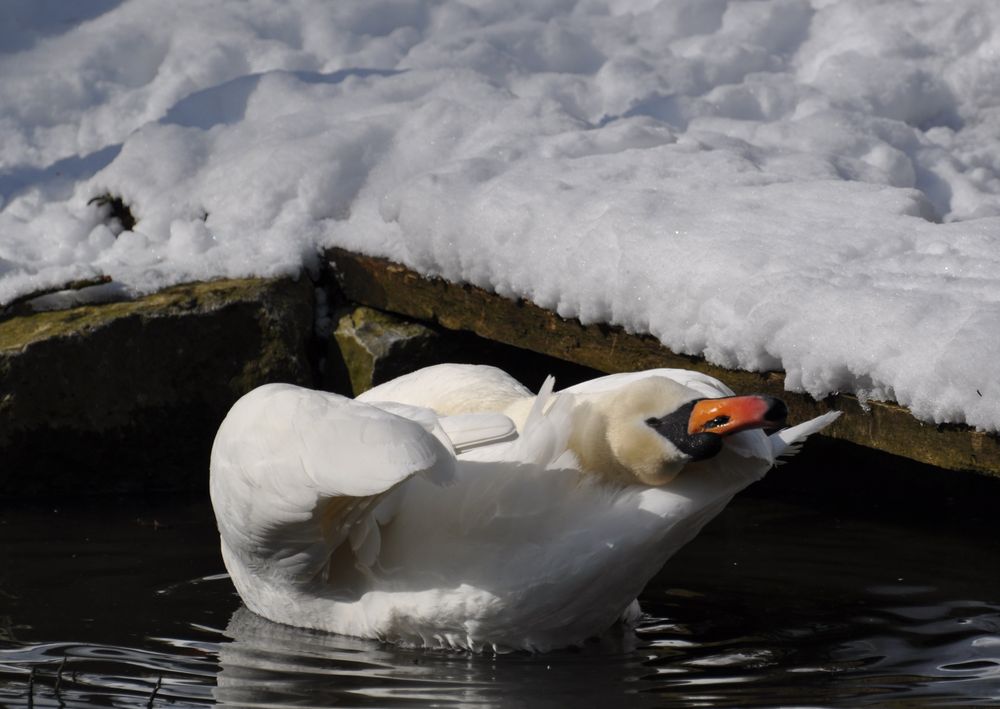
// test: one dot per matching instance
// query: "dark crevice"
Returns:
(117, 211)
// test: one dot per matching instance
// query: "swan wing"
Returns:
(468, 431)
(452, 389)
(460, 432)
(296, 472)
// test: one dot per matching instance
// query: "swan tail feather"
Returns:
(787, 442)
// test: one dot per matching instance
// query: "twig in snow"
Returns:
(117, 209)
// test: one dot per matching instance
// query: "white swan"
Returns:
(427, 519)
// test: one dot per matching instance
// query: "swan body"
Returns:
(452, 507)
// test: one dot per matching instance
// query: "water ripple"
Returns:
(759, 611)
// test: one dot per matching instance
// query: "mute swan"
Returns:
(451, 507)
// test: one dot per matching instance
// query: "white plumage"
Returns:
(427, 519)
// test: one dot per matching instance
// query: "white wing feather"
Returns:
(468, 431)
(452, 389)
(460, 432)
(295, 471)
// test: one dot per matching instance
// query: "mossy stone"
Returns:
(127, 396)
(369, 347)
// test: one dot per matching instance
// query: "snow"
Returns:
(772, 184)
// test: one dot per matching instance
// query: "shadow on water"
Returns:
(774, 604)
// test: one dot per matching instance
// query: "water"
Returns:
(773, 605)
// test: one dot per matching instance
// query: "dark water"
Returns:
(773, 605)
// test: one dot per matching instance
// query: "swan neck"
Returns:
(590, 443)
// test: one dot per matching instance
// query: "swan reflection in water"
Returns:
(272, 664)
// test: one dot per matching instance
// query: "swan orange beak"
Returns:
(736, 413)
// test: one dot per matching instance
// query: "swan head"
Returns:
(655, 426)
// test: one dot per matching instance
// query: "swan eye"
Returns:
(716, 422)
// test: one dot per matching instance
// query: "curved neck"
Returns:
(589, 442)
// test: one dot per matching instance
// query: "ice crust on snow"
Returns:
(810, 186)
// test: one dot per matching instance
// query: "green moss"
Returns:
(369, 347)
(19, 332)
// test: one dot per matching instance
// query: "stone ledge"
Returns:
(884, 426)
(124, 396)
(369, 347)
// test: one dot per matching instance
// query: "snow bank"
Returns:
(811, 186)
